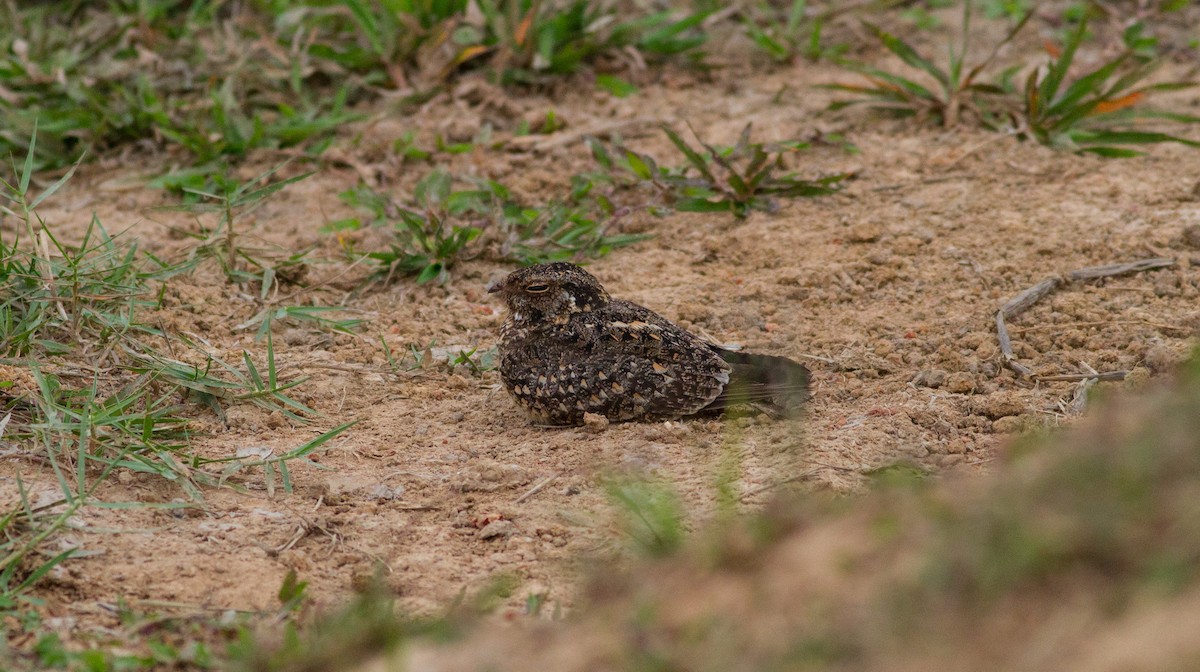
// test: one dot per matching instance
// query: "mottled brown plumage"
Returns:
(567, 348)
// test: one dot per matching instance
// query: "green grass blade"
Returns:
(57, 184)
(255, 379)
(897, 83)
(41, 571)
(703, 205)
(909, 55)
(996, 48)
(692, 155)
(1090, 83)
(260, 194)
(1112, 152)
(27, 169)
(285, 475)
(640, 165)
(272, 377)
(1129, 138)
(1048, 90)
(309, 447)
(795, 16)
(367, 24)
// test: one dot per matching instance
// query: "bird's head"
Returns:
(549, 293)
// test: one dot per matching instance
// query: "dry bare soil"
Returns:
(886, 290)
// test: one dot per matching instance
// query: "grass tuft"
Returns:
(1097, 112)
(735, 179)
(956, 90)
(93, 387)
(1100, 112)
(444, 224)
(219, 80)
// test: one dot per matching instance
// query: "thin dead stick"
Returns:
(929, 180)
(1074, 325)
(167, 604)
(1023, 301)
(301, 531)
(983, 460)
(1093, 272)
(1074, 377)
(1010, 359)
(541, 485)
(1080, 398)
(815, 358)
(835, 467)
(1120, 288)
(537, 143)
(327, 281)
(973, 149)
(776, 484)
(356, 368)
(1002, 333)
(1019, 368)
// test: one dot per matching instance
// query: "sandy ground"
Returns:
(886, 290)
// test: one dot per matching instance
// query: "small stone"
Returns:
(498, 528)
(1009, 424)
(460, 129)
(931, 421)
(1167, 286)
(363, 582)
(998, 405)
(1160, 359)
(1191, 234)
(972, 340)
(930, 378)
(543, 121)
(1137, 378)
(594, 422)
(293, 336)
(906, 246)
(1191, 322)
(384, 492)
(960, 383)
(865, 232)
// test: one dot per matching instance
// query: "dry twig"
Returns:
(1094, 272)
(541, 485)
(1030, 296)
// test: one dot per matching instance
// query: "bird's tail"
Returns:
(776, 385)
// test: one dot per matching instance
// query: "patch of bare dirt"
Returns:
(886, 290)
(1051, 562)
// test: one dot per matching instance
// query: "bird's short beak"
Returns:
(495, 286)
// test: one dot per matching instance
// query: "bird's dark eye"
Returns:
(536, 289)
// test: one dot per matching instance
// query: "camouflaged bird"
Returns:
(567, 348)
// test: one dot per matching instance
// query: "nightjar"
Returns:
(567, 348)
